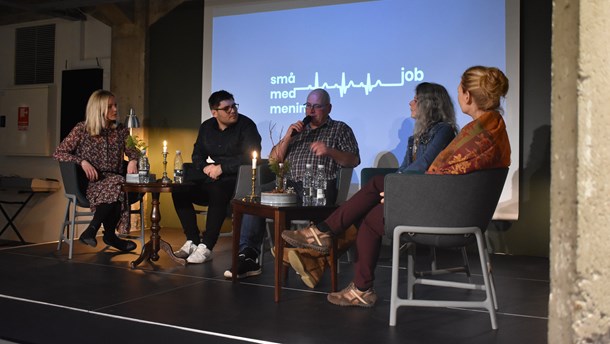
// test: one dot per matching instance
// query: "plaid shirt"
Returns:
(335, 134)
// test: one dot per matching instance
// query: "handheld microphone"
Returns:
(306, 121)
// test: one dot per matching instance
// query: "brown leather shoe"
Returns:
(309, 237)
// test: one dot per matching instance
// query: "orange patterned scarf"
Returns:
(481, 144)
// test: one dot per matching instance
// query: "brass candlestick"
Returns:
(165, 179)
(252, 197)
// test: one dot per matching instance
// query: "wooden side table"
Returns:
(151, 248)
(281, 216)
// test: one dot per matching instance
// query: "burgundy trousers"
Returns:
(365, 211)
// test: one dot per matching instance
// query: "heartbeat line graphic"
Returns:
(368, 85)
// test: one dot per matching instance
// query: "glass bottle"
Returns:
(320, 185)
(308, 189)
(178, 168)
(143, 167)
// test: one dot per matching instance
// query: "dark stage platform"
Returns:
(97, 298)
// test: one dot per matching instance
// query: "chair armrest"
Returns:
(263, 173)
(344, 180)
(75, 181)
(369, 172)
(243, 187)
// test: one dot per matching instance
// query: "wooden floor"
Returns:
(97, 298)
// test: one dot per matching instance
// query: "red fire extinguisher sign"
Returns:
(23, 118)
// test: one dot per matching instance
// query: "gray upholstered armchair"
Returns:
(441, 211)
(75, 188)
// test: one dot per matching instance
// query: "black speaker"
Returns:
(76, 88)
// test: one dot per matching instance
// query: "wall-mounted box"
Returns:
(29, 116)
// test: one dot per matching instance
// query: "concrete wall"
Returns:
(78, 45)
(580, 199)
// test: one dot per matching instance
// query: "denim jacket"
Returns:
(431, 143)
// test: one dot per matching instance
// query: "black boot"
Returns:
(111, 239)
(88, 236)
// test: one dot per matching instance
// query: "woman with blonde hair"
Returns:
(98, 145)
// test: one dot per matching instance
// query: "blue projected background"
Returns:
(369, 55)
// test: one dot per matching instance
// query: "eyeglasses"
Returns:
(315, 107)
(229, 107)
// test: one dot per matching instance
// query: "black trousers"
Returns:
(216, 196)
(109, 215)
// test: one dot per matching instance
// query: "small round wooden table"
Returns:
(151, 248)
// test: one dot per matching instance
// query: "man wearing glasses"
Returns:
(228, 139)
(322, 141)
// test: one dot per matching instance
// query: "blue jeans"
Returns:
(252, 232)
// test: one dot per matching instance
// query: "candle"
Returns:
(254, 160)
(164, 146)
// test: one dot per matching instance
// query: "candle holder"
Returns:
(252, 197)
(165, 179)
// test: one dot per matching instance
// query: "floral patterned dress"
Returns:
(105, 152)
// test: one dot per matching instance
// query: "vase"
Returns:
(280, 183)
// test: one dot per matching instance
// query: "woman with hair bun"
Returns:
(483, 143)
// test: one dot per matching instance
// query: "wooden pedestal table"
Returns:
(151, 248)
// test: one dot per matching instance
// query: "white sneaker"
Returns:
(186, 249)
(201, 255)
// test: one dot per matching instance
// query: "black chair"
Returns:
(443, 211)
(369, 172)
(75, 185)
(264, 175)
(344, 180)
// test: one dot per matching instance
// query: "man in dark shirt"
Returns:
(224, 142)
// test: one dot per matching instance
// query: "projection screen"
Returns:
(369, 55)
